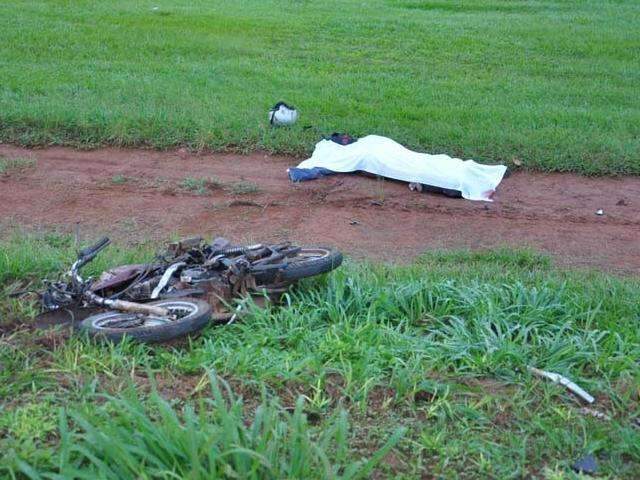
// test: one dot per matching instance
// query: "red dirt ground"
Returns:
(366, 217)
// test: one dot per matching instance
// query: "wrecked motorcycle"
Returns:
(190, 285)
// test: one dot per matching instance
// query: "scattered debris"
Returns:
(600, 212)
(415, 187)
(517, 162)
(354, 222)
(586, 465)
(283, 114)
(622, 203)
(595, 413)
(557, 378)
(377, 203)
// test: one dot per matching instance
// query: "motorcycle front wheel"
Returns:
(190, 315)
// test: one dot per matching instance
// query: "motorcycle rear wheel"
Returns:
(308, 262)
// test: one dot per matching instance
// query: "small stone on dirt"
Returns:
(622, 203)
(354, 222)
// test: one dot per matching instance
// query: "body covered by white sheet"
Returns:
(387, 158)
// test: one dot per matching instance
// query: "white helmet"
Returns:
(283, 114)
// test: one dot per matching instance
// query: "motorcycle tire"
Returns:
(193, 316)
(310, 261)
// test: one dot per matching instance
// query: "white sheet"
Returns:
(385, 157)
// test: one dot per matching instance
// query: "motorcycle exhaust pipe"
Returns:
(132, 307)
(124, 306)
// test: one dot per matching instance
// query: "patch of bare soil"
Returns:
(138, 194)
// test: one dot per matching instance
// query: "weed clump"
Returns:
(17, 164)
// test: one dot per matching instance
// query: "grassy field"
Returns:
(424, 363)
(551, 84)
(374, 370)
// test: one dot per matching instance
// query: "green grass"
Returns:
(199, 186)
(426, 363)
(13, 165)
(119, 179)
(130, 436)
(552, 84)
(205, 185)
(242, 187)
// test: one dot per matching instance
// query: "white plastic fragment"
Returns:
(237, 311)
(166, 276)
(595, 413)
(600, 212)
(557, 378)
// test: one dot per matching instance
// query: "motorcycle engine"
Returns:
(196, 275)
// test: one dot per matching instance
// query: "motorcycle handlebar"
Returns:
(85, 256)
(93, 250)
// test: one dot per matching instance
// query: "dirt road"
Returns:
(135, 194)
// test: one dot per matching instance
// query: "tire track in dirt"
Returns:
(139, 194)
